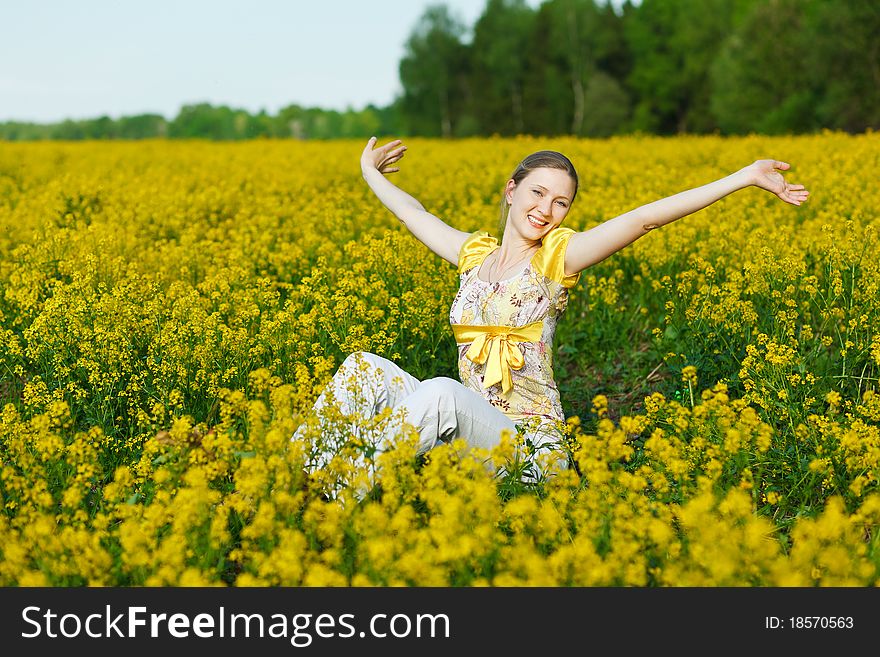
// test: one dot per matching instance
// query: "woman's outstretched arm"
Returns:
(592, 246)
(442, 239)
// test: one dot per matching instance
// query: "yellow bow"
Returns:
(496, 346)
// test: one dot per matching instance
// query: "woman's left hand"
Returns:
(764, 174)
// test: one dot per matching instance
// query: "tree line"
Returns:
(580, 67)
(203, 120)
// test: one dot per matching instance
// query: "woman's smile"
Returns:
(536, 221)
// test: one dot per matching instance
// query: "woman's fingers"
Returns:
(390, 145)
(385, 154)
(371, 144)
(393, 156)
(795, 198)
(797, 190)
(400, 149)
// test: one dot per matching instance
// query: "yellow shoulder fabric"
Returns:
(475, 249)
(550, 258)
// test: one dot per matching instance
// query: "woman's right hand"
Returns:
(383, 157)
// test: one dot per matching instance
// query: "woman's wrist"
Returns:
(374, 178)
(745, 177)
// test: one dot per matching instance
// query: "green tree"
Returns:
(290, 122)
(24, 131)
(205, 121)
(547, 92)
(389, 117)
(570, 87)
(607, 106)
(68, 130)
(761, 81)
(499, 65)
(433, 74)
(844, 54)
(674, 45)
(102, 127)
(360, 123)
(141, 126)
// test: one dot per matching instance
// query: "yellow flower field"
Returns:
(171, 310)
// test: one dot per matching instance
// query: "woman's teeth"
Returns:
(536, 223)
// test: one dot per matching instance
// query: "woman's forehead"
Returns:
(553, 180)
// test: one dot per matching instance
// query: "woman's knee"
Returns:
(442, 393)
(440, 386)
(355, 358)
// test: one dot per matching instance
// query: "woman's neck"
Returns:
(508, 257)
(514, 249)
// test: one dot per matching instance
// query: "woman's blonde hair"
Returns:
(537, 160)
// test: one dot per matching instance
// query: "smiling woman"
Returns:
(541, 205)
(552, 161)
(505, 314)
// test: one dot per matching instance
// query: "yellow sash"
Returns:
(496, 346)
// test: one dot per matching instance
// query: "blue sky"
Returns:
(86, 58)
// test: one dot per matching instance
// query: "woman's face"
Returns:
(539, 203)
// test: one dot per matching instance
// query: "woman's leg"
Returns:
(547, 452)
(363, 386)
(443, 409)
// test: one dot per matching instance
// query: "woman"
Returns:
(504, 315)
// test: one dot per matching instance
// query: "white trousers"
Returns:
(442, 409)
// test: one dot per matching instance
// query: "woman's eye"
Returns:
(537, 192)
(561, 203)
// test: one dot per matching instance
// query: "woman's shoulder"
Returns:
(559, 235)
(550, 258)
(475, 249)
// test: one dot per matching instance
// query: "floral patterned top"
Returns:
(538, 293)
